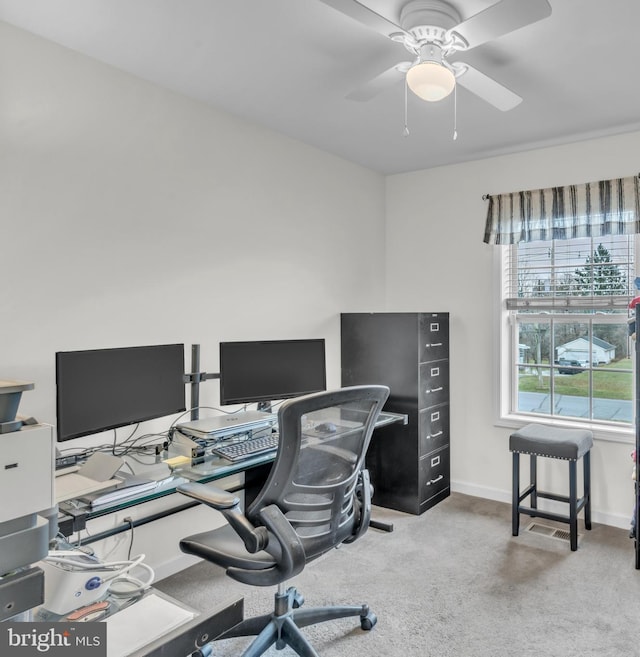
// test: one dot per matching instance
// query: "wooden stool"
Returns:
(551, 442)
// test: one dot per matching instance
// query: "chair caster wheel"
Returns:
(367, 622)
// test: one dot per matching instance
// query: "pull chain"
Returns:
(455, 112)
(405, 132)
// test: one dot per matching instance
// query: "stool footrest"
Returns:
(580, 502)
(554, 496)
(547, 515)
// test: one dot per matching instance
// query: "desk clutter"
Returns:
(83, 588)
(95, 474)
(193, 443)
(78, 578)
(239, 436)
(235, 445)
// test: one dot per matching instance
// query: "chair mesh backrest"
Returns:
(323, 441)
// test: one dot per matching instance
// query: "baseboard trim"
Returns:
(174, 565)
(497, 495)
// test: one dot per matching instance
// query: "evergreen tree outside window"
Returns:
(600, 275)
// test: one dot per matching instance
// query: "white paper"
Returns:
(141, 623)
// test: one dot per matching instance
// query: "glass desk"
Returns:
(167, 481)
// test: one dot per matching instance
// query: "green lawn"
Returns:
(607, 384)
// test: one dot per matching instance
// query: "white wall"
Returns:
(437, 261)
(130, 215)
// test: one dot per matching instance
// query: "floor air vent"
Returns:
(551, 532)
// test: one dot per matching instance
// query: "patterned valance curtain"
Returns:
(606, 207)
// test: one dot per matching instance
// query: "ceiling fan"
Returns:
(432, 31)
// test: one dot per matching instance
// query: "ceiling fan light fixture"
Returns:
(430, 81)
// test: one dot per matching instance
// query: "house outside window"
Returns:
(566, 346)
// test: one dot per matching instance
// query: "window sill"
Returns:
(604, 432)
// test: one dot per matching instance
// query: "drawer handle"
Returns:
(435, 435)
(435, 481)
(434, 344)
(434, 389)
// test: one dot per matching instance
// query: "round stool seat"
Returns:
(552, 442)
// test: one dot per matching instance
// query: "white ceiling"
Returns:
(288, 65)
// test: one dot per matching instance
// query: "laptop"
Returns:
(223, 425)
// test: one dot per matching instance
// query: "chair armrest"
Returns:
(289, 557)
(216, 498)
(254, 538)
(293, 558)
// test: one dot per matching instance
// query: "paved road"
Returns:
(566, 405)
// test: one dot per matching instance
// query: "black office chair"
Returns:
(317, 496)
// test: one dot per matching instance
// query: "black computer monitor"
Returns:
(264, 371)
(101, 389)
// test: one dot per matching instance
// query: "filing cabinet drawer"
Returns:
(434, 383)
(434, 337)
(434, 473)
(434, 428)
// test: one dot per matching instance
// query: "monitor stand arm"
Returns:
(194, 378)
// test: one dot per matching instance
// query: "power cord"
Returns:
(121, 584)
(129, 520)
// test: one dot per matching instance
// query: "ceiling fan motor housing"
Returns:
(429, 12)
(428, 21)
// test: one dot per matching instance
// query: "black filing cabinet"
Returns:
(409, 352)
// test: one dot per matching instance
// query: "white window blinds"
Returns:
(584, 274)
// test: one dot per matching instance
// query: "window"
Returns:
(567, 353)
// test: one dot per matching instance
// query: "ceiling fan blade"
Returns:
(380, 83)
(485, 87)
(499, 19)
(367, 17)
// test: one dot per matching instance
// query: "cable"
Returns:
(130, 521)
(115, 438)
(70, 559)
(126, 585)
(131, 445)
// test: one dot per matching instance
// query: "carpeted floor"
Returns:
(454, 582)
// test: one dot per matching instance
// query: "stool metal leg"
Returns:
(515, 495)
(586, 463)
(573, 505)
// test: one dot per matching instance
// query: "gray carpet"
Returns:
(454, 582)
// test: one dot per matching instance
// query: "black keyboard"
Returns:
(247, 448)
